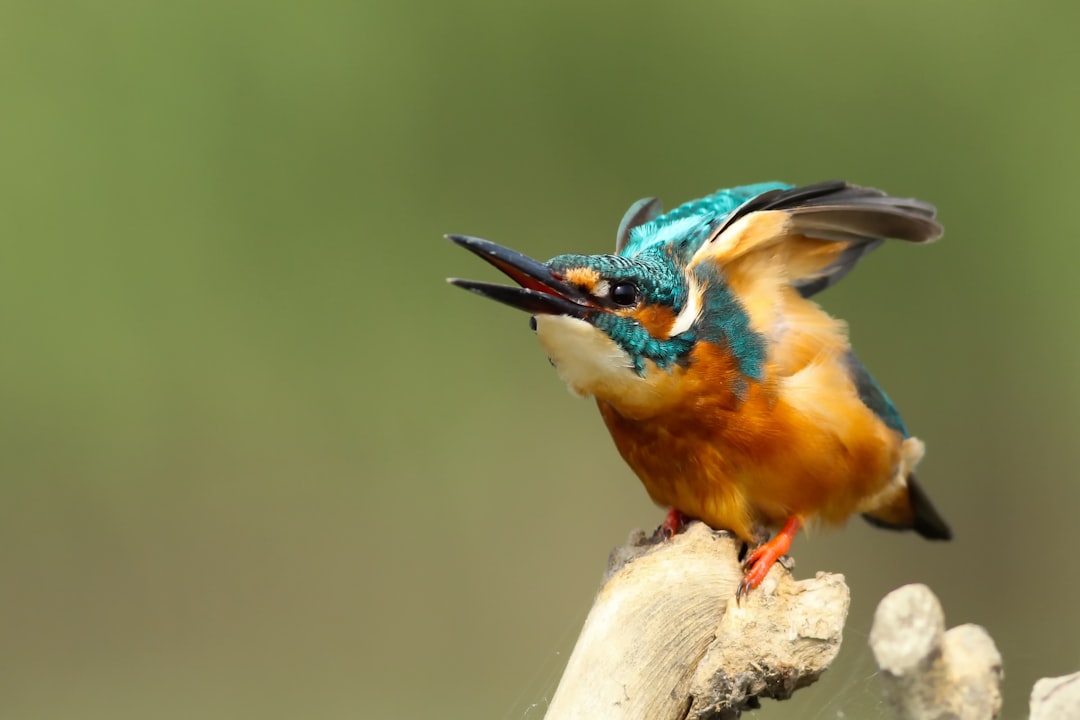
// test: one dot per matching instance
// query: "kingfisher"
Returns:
(733, 396)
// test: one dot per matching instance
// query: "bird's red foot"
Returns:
(761, 559)
(673, 523)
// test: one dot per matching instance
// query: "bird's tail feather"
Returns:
(911, 511)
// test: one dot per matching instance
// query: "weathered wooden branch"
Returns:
(666, 640)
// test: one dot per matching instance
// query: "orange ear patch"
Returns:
(657, 319)
(584, 277)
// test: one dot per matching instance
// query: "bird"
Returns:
(731, 394)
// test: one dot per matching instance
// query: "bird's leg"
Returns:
(673, 523)
(760, 560)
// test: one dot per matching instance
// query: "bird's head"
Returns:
(607, 322)
(621, 327)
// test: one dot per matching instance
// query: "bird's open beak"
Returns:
(542, 291)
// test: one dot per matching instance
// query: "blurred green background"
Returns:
(258, 460)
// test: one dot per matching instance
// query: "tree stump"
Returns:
(666, 640)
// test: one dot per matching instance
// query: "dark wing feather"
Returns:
(839, 212)
(873, 396)
(837, 270)
(780, 200)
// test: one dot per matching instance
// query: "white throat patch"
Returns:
(591, 363)
(586, 358)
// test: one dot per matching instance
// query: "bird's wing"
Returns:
(873, 396)
(822, 230)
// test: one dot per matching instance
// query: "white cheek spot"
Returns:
(602, 289)
(690, 312)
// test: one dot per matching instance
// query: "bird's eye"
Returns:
(625, 294)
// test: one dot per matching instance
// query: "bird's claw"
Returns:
(673, 523)
(760, 560)
(756, 567)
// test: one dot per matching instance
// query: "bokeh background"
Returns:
(258, 460)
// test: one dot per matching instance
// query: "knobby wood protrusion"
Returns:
(928, 673)
(665, 639)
